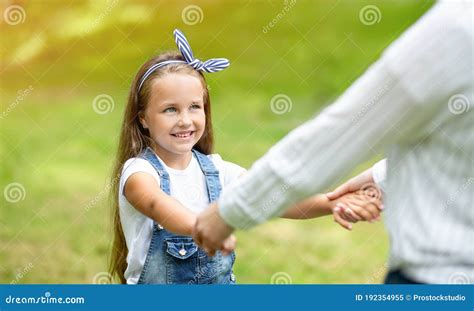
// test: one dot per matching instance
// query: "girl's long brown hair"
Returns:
(134, 139)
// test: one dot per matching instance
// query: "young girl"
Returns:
(168, 175)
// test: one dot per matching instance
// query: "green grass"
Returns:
(61, 151)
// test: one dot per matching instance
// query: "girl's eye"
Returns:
(170, 109)
(195, 106)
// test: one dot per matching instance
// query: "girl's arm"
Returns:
(144, 193)
(315, 206)
(349, 199)
(359, 205)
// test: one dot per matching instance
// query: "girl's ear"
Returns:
(141, 117)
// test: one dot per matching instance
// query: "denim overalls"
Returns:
(174, 259)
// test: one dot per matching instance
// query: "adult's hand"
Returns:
(212, 233)
(364, 183)
(363, 180)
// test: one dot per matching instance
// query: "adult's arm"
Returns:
(389, 104)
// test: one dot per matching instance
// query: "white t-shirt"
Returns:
(188, 186)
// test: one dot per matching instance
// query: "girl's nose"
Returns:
(184, 120)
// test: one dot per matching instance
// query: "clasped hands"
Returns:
(353, 202)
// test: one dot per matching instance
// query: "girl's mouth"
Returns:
(183, 135)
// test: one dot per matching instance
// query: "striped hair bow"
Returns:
(211, 65)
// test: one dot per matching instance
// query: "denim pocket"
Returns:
(181, 260)
(181, 248)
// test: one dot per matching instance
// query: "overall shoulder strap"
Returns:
(149, 155)
(211, 173)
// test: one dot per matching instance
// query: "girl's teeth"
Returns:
(183, 135)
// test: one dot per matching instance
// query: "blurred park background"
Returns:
(65, 72)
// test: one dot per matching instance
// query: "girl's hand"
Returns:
(358, 206)
(211, 231)
(229, 245)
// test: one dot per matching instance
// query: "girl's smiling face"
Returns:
(175, 114)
